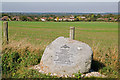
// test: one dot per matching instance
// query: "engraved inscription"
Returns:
(65, 46)
(63, 57)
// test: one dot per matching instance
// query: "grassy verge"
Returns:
(17, 59)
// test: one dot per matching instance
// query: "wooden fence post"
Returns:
(72, 33)
(5, 31)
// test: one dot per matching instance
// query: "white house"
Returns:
(55, 19)
(64, 19)
(82, 17)
(60, 19)
(71, 18)
(43, 19)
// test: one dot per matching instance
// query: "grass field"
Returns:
(101, 36)
(42, 33)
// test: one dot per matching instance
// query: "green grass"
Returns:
(101, 36)
(106, 34)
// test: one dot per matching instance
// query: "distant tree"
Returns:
(80, 19)
(88, 19)
(10, 17)
(32, 17)
(54, 17)
(110, 15)
(116, 16)
(36, 19)
(75, 17)
(24, 18)
(57, 18)
(4, 14)
(93, 17)
(99, 16)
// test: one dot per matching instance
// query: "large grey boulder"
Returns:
(65, 57)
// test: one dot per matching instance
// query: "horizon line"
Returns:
(52, 12)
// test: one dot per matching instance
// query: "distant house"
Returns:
(5, 18)
(29, 18)
(86, 19)
(100, 19)
(106, 19)
(82, 17)
(55, 19)
(116, 19)
(43, 19)
(64, 19)
(35, 18)
(60, 19)
(50, 18)
(71, 18)
(112, 19)
(17, 18)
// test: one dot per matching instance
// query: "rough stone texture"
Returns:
(65, 57)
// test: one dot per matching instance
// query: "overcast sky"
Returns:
(60, 0)
(75, 7)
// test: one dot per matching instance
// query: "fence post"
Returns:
(5, 32)
(72, 33)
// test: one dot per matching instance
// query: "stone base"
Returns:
(89, 74)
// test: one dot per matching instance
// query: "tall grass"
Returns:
(18, 57)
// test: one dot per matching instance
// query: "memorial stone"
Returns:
(65, 56)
